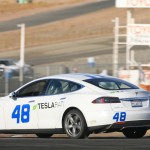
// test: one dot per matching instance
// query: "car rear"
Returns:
(129, 106)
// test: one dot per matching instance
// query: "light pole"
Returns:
(22, 51)
(115, 47)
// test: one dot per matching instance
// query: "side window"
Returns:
(62, 86)
(108, 85)
(55, 87)
(74, 86)
(123, 86)
(33, 89)
(68, 86)
(65, 86)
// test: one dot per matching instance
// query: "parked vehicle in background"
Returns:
(12, 67)
(23, 1)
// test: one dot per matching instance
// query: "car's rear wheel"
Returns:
(134, 132)
(75, 125)
(44, 135)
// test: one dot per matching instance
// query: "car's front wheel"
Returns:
(134, 132)
(75, 125)
(44, 135)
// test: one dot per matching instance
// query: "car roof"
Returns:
(76, 76)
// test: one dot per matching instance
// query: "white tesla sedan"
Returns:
(78, 105)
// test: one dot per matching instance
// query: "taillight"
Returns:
(105, 100)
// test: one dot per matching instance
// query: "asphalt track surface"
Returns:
(69, 144)
(57, 15)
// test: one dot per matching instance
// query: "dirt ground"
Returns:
(97, 24)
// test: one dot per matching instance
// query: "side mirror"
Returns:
(13, 95)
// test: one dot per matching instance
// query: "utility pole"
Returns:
(22, 52)
(130, 20)
(115, 49)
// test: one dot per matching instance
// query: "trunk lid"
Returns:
(131, 100)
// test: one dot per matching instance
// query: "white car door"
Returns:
(21, 110)
(20, 113)
(49, 110)
(50, 106)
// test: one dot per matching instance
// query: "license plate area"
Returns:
(136, 103)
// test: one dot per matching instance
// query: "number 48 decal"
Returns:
(120, 117)
(21, 113)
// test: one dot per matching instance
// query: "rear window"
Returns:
(111, 84)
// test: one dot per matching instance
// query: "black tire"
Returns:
(134, 132)
(44, 135)
(75, 125)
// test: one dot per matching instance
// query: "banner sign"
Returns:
(133, 3)
(138, 34)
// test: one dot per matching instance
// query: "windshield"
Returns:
(111, 84)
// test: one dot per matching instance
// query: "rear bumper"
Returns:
(119, 126)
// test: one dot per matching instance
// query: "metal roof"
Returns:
(77, 76)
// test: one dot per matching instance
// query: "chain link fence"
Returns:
(138, 75)
(11, 83)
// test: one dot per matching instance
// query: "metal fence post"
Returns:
(115, 47)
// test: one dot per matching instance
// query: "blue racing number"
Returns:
(119, 116)
(21, 113)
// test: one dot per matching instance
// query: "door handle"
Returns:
(62, 98)
(32, 101)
